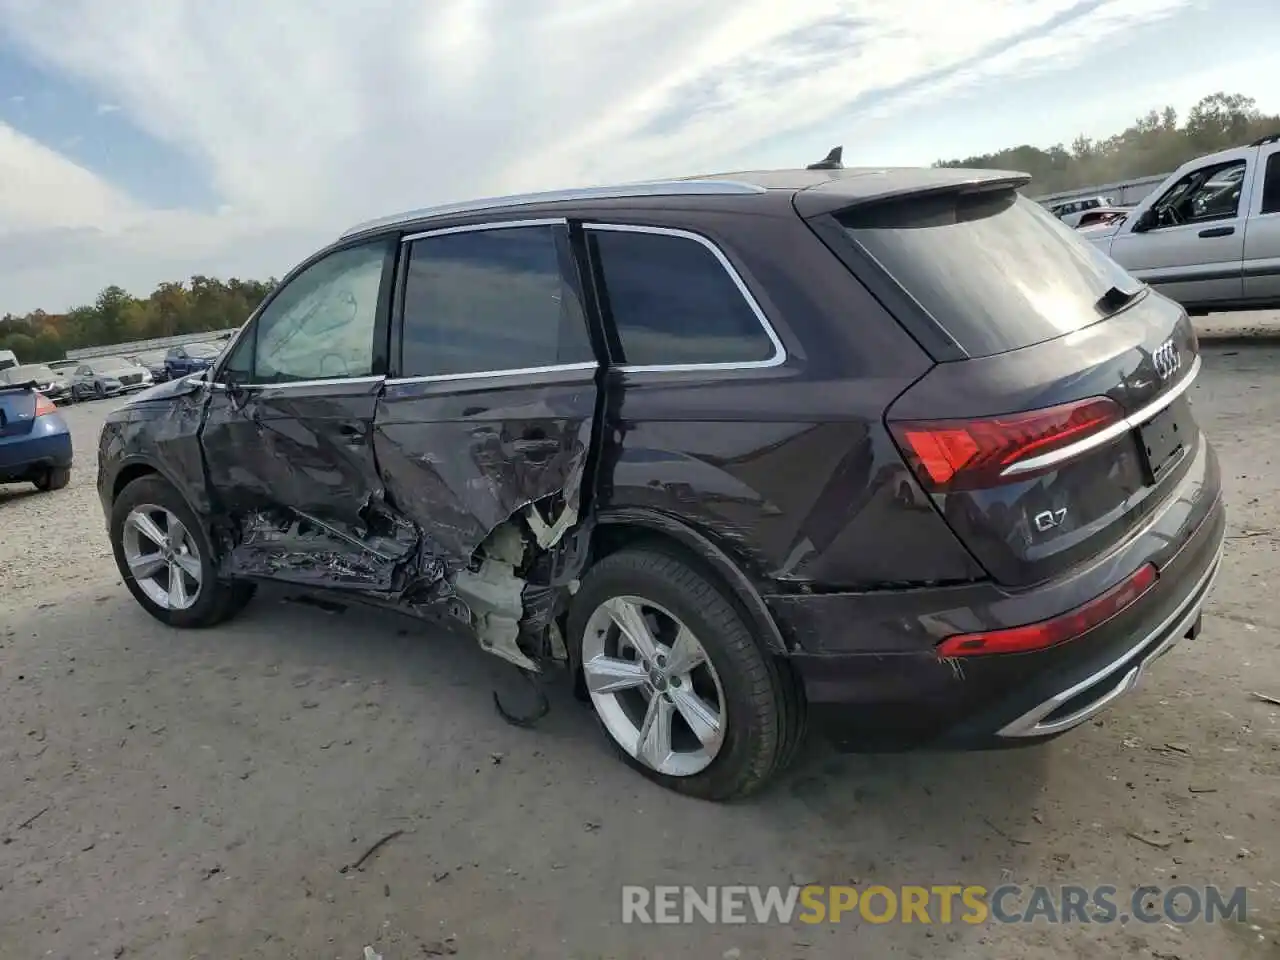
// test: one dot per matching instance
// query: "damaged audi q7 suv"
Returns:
(891, 453)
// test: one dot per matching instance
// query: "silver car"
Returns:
(107, 377)
(45, 380)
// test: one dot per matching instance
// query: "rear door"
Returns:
(491, 405)
(288, 435)
(1262, 232)
(1066, 423)
(1194, 249)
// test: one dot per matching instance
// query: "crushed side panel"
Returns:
(494, 476)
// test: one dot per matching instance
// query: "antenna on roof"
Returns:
(831, 162)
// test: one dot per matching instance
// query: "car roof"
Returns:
(746, 190)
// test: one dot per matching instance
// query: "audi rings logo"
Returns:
(1166, 360)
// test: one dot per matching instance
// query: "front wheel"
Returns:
(677, 680)
(166, 559)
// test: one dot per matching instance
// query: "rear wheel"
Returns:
(54, 478)
(99, 391)
(679, 684)
(166, 558)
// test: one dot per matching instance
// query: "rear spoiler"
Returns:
(863, 189)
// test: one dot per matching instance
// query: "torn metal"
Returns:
(509, 599)
(368, 490)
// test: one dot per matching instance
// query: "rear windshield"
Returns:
(995, 270)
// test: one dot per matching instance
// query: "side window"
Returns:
(320, 325)
(1271, 185)
(672, 301)
(1210, 193)
(491, 300)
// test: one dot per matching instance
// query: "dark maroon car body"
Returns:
(792, 479)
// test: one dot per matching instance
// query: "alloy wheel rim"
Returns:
(653, 686)
(162, 557)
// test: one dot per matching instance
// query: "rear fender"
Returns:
(720, 562)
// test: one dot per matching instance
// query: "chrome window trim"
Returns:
(293, 384)
(480, 227)
(655, 188)
(779, 351)
(1131, 422)
(489, 374)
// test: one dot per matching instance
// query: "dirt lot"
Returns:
(197, 794)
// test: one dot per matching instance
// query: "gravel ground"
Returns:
(197, 794)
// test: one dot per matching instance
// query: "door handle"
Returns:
(352, 431)
(535, 447)
(1217, 232)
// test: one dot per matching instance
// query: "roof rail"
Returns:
(655, 188)
(1263, 141)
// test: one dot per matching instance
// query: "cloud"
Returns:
(104, 108)
(17, 98)
(308, 116)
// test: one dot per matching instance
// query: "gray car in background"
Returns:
(108, 376)
(39, 375)
(154, 362)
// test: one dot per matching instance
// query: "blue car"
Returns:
(35, 442)
(190, 358)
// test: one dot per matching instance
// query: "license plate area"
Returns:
(1161, 441)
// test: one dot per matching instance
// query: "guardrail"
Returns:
(1124, 192)
(147, 346)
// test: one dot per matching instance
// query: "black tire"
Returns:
(219, 600)
(99, 391)
(54, 478)
(762, 704)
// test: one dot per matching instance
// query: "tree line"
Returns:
(197, 305)
(1154, 144)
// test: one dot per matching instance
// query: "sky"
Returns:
(149, 140)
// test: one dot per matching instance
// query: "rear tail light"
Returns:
(949, 455)
(44, 405)
(1048, 633)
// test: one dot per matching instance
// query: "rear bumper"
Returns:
(1093, 693)
(890, 699)
(47, 445)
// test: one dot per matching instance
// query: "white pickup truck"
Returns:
(1209, 236)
